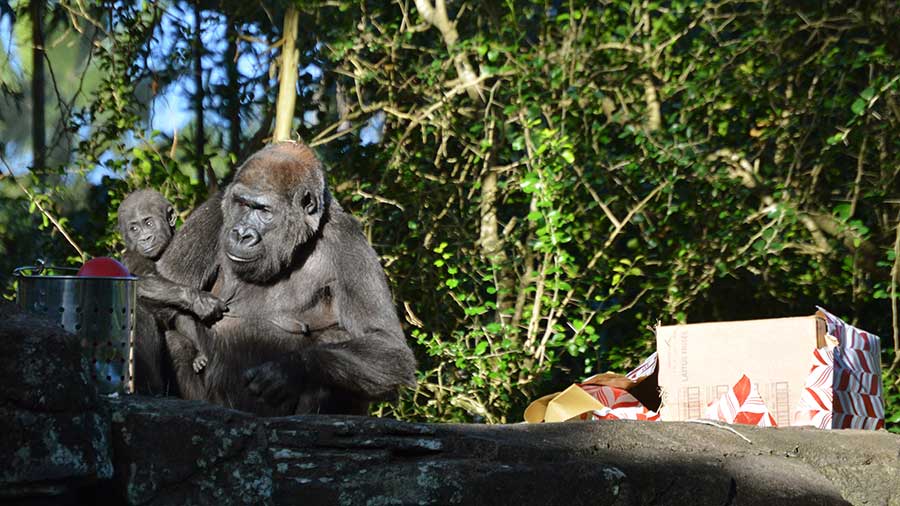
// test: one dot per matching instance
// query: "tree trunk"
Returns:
(233, 98)
(287, 80)
(491, 245)
(38, 139)
(200, 135)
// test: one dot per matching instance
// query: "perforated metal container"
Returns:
(98, 310)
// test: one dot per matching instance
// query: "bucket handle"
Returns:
(35, 270)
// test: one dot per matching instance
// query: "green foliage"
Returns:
(741, 197)
(613, 165)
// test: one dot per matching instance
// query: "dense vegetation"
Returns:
(544, 180)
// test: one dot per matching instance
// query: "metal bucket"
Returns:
(98, 310)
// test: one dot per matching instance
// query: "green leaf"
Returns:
(867, 93)
(530, 183)
(842, 211)
(858, 106)
(722, 128)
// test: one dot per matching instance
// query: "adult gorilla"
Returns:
(310, 327)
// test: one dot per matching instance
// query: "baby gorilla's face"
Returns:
(148, 235)
(146, 225)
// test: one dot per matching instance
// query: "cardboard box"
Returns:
(699, 363)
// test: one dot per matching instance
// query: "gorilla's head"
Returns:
(146, 222)
(275, 204)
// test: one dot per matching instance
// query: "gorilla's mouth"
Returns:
(150, 250)
(240, 260)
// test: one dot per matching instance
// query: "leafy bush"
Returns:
(553, 178)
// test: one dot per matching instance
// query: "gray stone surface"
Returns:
(180, 452)
(61, 444)
(54, 436)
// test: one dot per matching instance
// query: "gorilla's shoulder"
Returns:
(191, 256)
(212, 206)
(342, 223)
(344, 236)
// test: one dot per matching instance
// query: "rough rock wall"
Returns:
(63, 444)
(54, 432)
(210, 455)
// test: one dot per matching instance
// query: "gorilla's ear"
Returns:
(171, 217)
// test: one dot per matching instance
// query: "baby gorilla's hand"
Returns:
(200, 361)
(208, 307)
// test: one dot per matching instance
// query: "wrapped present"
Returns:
(618, 404)
(771, 357)
(843, 389)
(700, 362)
(741, 404)
(603, 396)
(629, 401)
(692, 375)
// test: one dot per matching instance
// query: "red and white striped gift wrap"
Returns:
(618, 403)
(741, 404)
(843, 389)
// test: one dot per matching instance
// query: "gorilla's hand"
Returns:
(208, 307)
(276, 383)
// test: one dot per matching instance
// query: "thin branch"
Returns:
(322, 137)
(43, 211)
(895, 280)
(606, 210)
(860, 169)
(325, 140)
(378, 198)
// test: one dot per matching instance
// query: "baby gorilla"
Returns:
(147, 223)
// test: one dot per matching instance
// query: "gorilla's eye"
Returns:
(149, 223)
(308, 203)
(133, 228)
(265, 214)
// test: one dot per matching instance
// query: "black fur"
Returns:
(311, 326)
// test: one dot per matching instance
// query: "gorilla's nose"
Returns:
(245, 236)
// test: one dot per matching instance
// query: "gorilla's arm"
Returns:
(375, 360)
(192, 257)
(164, 294)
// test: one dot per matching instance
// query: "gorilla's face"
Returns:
(146, 222)
(274, 206)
